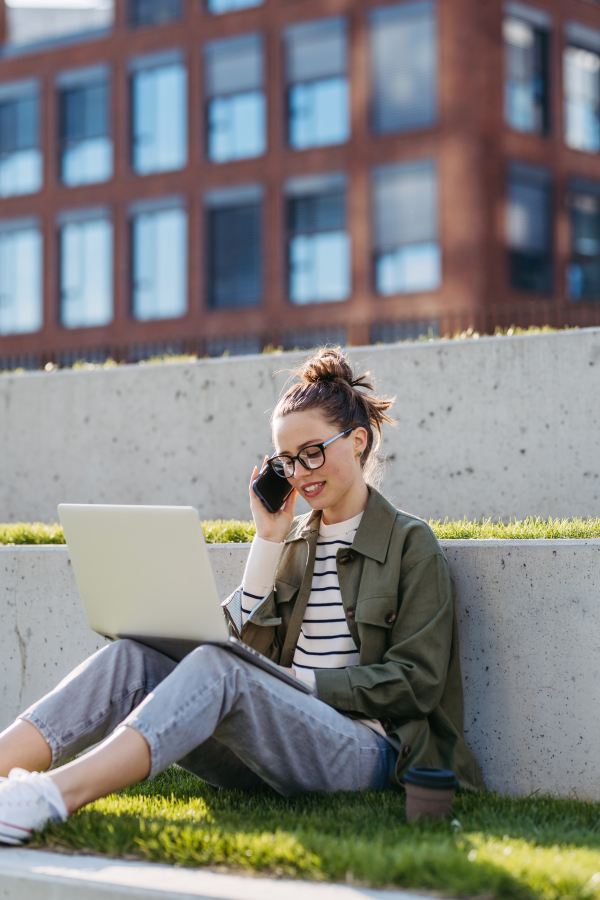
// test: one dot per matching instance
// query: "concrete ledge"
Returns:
(38, 875)
(528, 616)
(492, 427)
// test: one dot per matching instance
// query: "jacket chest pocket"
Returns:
(380, 611)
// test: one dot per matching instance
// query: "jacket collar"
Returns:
(374, 532)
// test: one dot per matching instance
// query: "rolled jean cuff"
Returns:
(153, 742)
(56, 748)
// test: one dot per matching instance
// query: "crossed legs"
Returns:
(222, 718)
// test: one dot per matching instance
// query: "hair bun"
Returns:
(327, 366)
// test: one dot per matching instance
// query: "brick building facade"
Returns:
(221, 175)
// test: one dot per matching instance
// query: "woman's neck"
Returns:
(349, 505)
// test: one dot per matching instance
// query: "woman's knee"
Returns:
(210, 658)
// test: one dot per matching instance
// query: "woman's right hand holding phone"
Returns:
(272, 527)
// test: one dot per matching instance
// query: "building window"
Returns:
(20, 277)
(526, 81)
(86, 288)
(159, 264)
(529, 228)
(317, 86)
(153, 12)
(159, 95)
(582, 88)
(85, 143)
(236, 105)
(583, 273)
(20, 156)
(403, 66)
(407, 252)
(318, 244)
(234, 246)
(224, 6)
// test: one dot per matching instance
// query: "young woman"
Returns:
(354, 598)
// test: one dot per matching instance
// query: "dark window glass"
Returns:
(319, 212)
(18, 125)
(20, 157)
(234, 255)
(403, 66)
(86, 148)
(526, 86)
(529, 228)
(583, 273)
(153, 12)
(84, 112)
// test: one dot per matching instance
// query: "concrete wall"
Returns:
(494, 427)
(529, 619)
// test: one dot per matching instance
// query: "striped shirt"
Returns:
(325, 641)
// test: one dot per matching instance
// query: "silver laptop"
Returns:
(143, 573)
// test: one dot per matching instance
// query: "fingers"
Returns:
(290, 502)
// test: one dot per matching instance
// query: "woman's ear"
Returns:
(359, 436)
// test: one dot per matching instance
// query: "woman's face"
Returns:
(341, 474)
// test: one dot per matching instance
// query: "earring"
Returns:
(360, 453)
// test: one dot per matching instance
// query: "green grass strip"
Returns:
(497, 847)
(235, 531)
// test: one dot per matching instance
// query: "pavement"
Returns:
(41, 875)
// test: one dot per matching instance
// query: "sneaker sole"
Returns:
(14, 834)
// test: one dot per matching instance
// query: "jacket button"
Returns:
(345, 558)
(390, 618)
(351, 612)
(406, 751)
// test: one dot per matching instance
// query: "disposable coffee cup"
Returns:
(429, 792)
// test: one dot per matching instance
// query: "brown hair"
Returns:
(328, 382)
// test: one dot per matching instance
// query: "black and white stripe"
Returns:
(325, 641)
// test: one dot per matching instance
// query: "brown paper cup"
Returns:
(427, 803)
(429, 792)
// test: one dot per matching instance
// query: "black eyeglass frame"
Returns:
(293, 459)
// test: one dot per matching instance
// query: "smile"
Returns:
(312, 489)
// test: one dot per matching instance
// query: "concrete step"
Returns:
(41, 875)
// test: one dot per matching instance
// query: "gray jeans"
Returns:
(220, 717)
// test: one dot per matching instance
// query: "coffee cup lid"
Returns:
(429, 777)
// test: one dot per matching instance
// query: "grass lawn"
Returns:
(499, 848)
(222, 531)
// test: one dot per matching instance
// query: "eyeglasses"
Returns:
(312, 457)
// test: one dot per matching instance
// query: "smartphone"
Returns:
(271, 489)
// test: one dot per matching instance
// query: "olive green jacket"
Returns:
(398, 596)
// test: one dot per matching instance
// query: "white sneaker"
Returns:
(28, 801)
